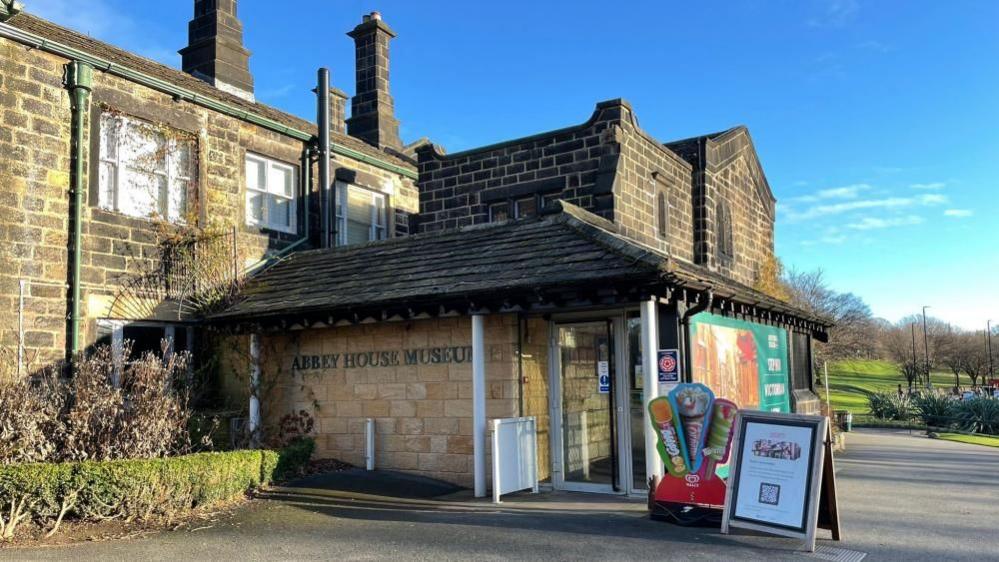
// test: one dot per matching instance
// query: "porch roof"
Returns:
(498, 265)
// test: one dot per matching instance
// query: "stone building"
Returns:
(159, 154)
(422, 292)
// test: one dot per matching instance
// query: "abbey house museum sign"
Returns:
(369, 359)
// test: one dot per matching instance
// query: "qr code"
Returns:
(769, 493)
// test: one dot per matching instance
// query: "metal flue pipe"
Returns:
(326, 203)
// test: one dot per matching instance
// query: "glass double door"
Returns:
(591, 408)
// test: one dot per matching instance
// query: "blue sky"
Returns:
(877, 122)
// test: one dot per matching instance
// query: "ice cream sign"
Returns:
(694, 432)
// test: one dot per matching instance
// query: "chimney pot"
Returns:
(376, 15)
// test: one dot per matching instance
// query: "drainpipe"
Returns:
(79, 80)
(323, 120)
(703, 305)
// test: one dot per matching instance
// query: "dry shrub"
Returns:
(104, 411)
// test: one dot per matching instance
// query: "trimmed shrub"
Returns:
(936, 410)
(889, 406)
(978, 415)
(142, 488)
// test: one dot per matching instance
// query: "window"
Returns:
(527, 207)
(725, 242)
(270, 194)
(143, 337)
(499, 212)
(662, 215)
(366, 216)
(144, 170)
(550, 199)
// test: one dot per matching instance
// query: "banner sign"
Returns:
(743, 361)
(776, 474)
(669, 365)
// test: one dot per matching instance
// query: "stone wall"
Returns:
(422, 411)
(732, 174)
(576, 164)
(34, 203)
(608, 166)
(647, 169)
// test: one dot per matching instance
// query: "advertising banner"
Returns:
(741, 360)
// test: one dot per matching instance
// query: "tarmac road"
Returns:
(902, 497)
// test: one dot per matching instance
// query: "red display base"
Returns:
(692, 489)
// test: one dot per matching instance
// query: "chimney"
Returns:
(215, 51)
(372, 116)
(338, 110)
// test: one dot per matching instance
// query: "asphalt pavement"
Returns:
(902, 497)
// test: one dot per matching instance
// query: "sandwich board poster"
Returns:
(740, 360)
(775, 478)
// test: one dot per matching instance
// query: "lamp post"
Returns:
(926, 348)
(988, 347)
(912, 328)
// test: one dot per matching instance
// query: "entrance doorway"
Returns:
(591, 408)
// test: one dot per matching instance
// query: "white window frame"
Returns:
(120, 171)
(378, 221)
(268, 192)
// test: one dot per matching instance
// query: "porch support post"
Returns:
(479, 404)
(254, 420)
(650, 385)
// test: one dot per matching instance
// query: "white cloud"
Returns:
(932, 199)
(845, 192)
(958, 213)
(929, 186)
(837, 14)
(817, 211)
(876, 223)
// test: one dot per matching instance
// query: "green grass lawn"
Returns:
(851, 381)
(973, 439)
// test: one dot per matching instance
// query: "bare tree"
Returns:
(896, 343)
(854, 333)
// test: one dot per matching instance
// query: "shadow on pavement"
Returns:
(379, 483)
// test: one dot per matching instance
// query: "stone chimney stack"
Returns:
(215, 51)
(372, 117)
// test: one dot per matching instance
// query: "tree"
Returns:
(854, 331)
(896, 342)
(929, 347)
(977, 362)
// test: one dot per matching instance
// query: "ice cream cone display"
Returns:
(692, 403)
(661, 412)
(716, 446)
(695, 435)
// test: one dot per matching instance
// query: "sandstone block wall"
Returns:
(423, 411)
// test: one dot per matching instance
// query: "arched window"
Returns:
(662, 215)
(725, 242)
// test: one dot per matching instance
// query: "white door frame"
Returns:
(618, 333)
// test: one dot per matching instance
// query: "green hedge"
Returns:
(144, 487)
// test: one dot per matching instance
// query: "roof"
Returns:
(688, 148)
(48, 30)
(569, 248)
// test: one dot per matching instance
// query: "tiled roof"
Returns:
(569, 248)
(70, 38)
